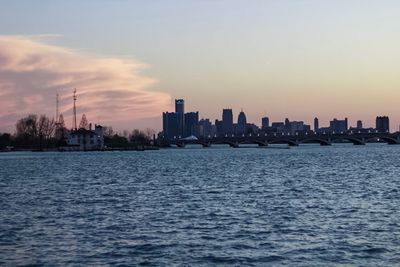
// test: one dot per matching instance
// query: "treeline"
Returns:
(124, 139)
(40, 132)
(35, 132)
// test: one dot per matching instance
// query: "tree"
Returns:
(46, 129)
(27, 132)
(84, 123)
(138, 138)
(5, 140)
(108, 131)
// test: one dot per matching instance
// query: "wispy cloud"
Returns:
(110, 90)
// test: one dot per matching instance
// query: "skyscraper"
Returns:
(264, 123)
(316, 124)
(191, 124)
(180, 111)
(382, 124)
(242, 123)
(170, 125)
(205, 127)
(359, 124)
(227, 121)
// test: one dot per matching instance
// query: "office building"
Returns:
(170, 125)
(241, 127)
(227, 121)
(339, 126)
(205, 128)
(382, 124)
(265, 123)
(191, 124)
(316, 124)
(180, 111)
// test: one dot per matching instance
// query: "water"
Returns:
(306, 206)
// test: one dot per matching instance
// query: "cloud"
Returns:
(111, 90)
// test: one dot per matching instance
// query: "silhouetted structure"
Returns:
(359, 124)
(265, 123)
(339, 126)
(242, 123)
(316, 124)
(191, 124)
(382, 124)
(205, 127)
(170, 125)
(227, 121)
(180, 111)
(293, 140)
(74, 115)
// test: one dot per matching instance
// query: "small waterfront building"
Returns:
(85, 140)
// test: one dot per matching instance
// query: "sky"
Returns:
(130, 59)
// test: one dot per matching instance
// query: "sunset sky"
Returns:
(130, 59)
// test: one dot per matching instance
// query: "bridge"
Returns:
(265, 139)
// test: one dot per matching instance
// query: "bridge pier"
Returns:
(234, 145)
(206, 144)
(326, 144)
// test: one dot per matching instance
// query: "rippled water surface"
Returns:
(304, 206)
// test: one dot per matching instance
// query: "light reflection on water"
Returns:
(308, 205)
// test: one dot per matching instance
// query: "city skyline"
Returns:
(179, 125)
(295, 59)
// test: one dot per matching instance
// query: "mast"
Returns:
(57, 102)
(74, 117)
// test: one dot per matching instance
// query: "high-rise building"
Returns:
(359, 124)
(205, 127)
(264, 123)
(278, 127)
(219, 127)
(316, 124)
(170, 125)
(297, 127)
(180, 111)
(382, 124)
(339, 126)
(242, 123)
(227, 121)
(191, 124)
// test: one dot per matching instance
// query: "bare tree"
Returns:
(27, 131)
(108, 131)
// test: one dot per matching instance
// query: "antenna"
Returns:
(57, 108)
(74, 117)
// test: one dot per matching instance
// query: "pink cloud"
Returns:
(110, 90)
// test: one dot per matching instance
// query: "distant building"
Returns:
(180, 111)
(191, 124)
(227, 121)
(219, 127)
(382, 124)
(241, 124)
(205, 128)
(170, 125)
(359, 124)
(297, 127)
(84, 140)
(278, 127)
(339, 126)
(265, 123)
(316, 124)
